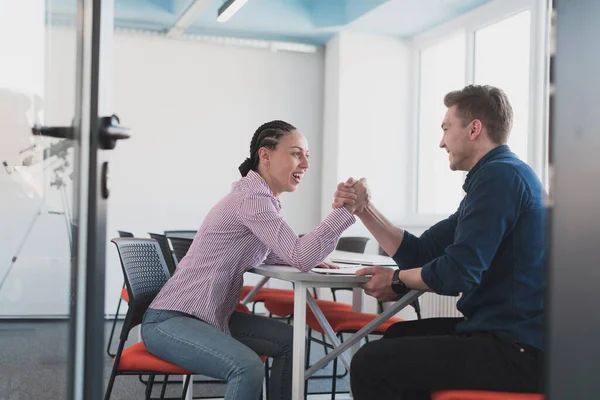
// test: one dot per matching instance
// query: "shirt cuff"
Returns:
(406, 251)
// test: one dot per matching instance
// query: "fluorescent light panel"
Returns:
(229, 8)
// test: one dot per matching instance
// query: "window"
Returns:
(502, 60)
(502, 44)
(442, 69)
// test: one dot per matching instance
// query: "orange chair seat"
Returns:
(241, 308)
(265, 293)
(137, 358)
(348, 321)
(284, 306)
(483, 395)
(125, 295)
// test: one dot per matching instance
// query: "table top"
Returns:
(293, 274)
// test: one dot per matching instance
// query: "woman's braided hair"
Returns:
(267, 135)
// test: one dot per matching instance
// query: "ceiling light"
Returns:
(229, 8)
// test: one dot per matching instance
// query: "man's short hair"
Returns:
(487, 104)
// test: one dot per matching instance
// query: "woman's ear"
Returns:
(264, 154)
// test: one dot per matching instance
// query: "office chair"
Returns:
(145, 272)
(483, 395)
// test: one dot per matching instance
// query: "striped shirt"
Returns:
(241, 232)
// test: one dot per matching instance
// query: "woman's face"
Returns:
(285, 166)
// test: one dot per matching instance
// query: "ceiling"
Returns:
(302, 21)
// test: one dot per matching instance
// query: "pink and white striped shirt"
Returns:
(242, 231)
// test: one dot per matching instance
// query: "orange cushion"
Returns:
(284, 306)
(348, 321)
(241, 308)
(125, 295)
(265, 293)
(483, 395)
(137, 358)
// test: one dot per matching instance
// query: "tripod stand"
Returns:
(60, 183)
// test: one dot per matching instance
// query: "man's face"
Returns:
(455, 141)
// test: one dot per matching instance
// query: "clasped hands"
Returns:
(355, 196)
(352, 194)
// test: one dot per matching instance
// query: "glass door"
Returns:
(53, 191)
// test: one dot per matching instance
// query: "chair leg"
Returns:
(417, 307)
(111, 382)
(266, 396)
(185, 387)
(149, 387)
(325, 349)
(112, 331)
(307, 359)
(164, 387)
(334, 378)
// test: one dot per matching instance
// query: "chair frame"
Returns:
(122, 234)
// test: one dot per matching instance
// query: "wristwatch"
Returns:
(397, 285)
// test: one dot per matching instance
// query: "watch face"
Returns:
(396, 277)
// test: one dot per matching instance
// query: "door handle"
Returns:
(61, 132)
(109, 133)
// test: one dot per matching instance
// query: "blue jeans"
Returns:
(199, 347)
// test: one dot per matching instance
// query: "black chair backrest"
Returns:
(124, 234)
(163, 242)
(183, 234)
(354, 244)
(145, 272)
(180, 247)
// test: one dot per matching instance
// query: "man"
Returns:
(491, 250)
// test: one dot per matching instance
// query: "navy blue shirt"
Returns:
(492, 250)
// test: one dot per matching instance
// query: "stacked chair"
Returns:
(163, 242)
(180, 247)
(344, 321)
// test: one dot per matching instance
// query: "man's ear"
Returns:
(475, 128)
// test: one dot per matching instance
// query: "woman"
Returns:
(192, 322)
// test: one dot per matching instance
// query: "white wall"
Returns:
(367, 119)
(192, 108)
(367, 125)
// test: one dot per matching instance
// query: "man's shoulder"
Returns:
(505, 170)
(511, 175)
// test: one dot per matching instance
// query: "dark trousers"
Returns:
(415, 358)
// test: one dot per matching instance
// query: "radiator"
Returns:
(433, 305)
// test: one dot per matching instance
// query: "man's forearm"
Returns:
(387, 234)
(413, 280)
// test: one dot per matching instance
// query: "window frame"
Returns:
(468, 24)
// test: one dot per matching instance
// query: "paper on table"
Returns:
(345, 269)
(341, 271)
